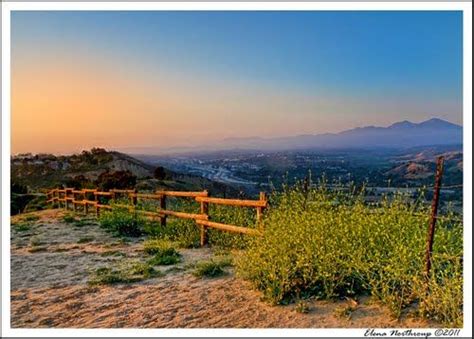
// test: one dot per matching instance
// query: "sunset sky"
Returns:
(164, 79)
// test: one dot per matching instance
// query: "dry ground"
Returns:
(51, 262)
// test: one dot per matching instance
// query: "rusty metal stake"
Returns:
(434, 213)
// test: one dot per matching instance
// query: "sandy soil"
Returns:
(52, 261)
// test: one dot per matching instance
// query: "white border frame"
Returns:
(250, 6)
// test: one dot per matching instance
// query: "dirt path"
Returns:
(52, 261)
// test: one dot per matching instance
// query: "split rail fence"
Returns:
(89, 200)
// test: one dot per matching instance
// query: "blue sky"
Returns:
(326, 71)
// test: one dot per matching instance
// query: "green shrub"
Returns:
(211, 268)
(69, 218)
(187, 233)
(126, 272)
(122, 222)
(441, 298)
(38, 203)
(332, 244)
(31, 217)
(160, 259)
(302, 306)
(22, 226)
(163, 252)
(184, 233)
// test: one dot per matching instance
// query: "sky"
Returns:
(175, 79)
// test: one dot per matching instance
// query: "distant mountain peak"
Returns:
(402, 124)
(436, 122)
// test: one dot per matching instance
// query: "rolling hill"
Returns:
(41, 171)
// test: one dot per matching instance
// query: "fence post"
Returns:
(74, 201)
(434, 213)
(86, 205)
(134, 199)
(204, 210)
(163, 207)
(260, 210)
(96, 199)
(66, 197)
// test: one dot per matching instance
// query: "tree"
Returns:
(159, 173)
(118, 179)
(78, 182)
(18, 188)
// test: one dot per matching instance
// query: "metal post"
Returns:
(434, 213)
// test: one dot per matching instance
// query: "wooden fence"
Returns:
(88, 200)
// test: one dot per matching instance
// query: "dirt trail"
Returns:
(52, 260)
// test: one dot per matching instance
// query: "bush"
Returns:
(163, 252)
(126, 272)
(331, 244)
(159, 246)
(184, 233)
(69, 218)
(118, 180)
(211, 268)
(160, 173)
(122, 222)
(187, 233)
(78, 182)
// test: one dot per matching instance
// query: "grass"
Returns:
(302, 306)
(126, 272)
(211, 268)
(333, 244)
(121, 222)
(187, 235)
(81, 222)
(163, 251)
(345, 311)
(85, 240)
(112, 253)
(22, 226)
(25, 222)
(323, 243)
(69, 218)
(31, 217)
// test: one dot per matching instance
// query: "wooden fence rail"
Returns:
(72, 197)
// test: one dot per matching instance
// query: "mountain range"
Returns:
(398, 135)
(433, 132)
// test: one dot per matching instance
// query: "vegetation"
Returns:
(126, 272)
(116, 179)
(121, 222)
(212, 268)
(69, 218)
(182, 232)
(22, 226)
(332, 244)
(163, 252)
(319, 242)
(160, 173)
(85, 240)
(105, 169)
(302, 306)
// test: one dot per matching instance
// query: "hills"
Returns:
(401, 134)
(42, 171)
(398, 135)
